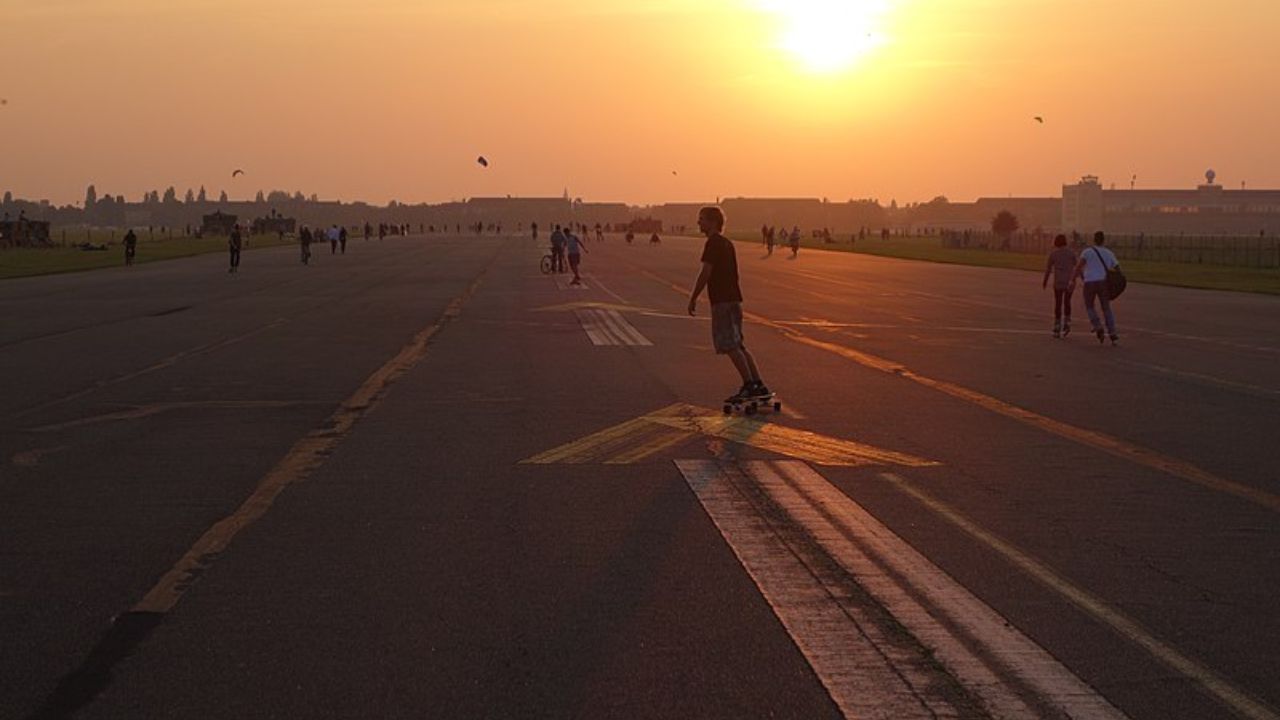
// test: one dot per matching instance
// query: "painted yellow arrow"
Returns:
(570, 306)
(650, 434)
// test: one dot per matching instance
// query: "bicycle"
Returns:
(548, 264)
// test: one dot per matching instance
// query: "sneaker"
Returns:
(743, 393)
(1115, 339)
(1066, 329)
(1057, 333)
(1102, 337)
(759, 390)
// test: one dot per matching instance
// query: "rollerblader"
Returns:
(1093, 265)
(1062, 266)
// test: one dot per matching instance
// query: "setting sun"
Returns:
(828, 35)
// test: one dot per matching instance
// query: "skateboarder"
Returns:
(1062, 265)
(719, 277)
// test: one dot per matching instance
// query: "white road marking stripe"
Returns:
(868, 671)
(592, 326)
(601, 285)
(626, 331)
(606, 322)
(608, 327)
(861, 682)
(1211, 681)
(852, 536)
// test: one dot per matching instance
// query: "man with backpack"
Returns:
(1093, 267)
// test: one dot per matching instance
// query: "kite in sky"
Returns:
(482, 161)
(237, 172)
(1039, 119)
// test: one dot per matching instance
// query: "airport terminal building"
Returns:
(1207, 210)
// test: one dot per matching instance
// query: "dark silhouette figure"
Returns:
(130, 247)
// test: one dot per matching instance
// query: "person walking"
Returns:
(1092, 267)
(575, 248)
(332, 235)
(1062, 266)
(719, 277)
(342, 239)
(304, 240)
(557, 250)
(235, 242)
(795, 241)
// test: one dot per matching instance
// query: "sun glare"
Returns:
(828, 35)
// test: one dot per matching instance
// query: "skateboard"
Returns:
(750, 406)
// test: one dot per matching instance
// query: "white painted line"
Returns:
(803, 541)
(601, 285)
(615, 330)
(918, 593)
(591, 324)
(608, 327)
(862, 682)
(1213, 683)
(625, 331)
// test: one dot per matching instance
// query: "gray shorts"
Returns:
(726, 326)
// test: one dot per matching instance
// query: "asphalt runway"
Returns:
(424, 479)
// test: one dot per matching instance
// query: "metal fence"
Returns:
(1246, 252)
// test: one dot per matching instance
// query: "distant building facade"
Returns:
(219, 223)
(1208, 209)
(274, 224)
(23, 232)
(1044, 214)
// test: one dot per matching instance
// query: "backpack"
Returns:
(1116, 281)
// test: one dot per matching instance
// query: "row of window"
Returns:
(1194, 209)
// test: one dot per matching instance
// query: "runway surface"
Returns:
(424, 479)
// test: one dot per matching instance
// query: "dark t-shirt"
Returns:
(722, 285)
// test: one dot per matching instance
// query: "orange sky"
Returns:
(383, 99)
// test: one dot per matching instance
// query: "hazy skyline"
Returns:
(394, 99)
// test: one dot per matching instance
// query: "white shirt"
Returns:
(1094, 258)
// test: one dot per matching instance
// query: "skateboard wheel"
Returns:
(751, 409)
(728, 409)
(777, 407)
